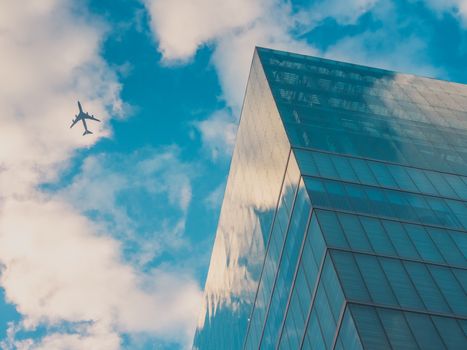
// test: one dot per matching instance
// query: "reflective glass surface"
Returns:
(381, 328)
(344, 222)
(252, 193)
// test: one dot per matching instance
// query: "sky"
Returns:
(105, 239)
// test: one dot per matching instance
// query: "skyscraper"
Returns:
(344, 221)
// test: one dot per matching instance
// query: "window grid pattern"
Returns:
(399, 283)
(286, 269)
(348, 338)
(392, 238)
(273, 253)
(404, 206)
(384, 328)
(390, 219)
(304, 287)
(382, 115)
(391, 176)
(381, 261)
(257, 171)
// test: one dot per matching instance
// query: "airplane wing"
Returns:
(87, 116)
(74, 121)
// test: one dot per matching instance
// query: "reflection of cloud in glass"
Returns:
(328, 109)
(255, 179)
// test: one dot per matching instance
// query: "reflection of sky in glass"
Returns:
(369, 141)
(371, 113)
(255, 179)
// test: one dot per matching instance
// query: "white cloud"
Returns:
(457, 8)
(181, 26)
(218, 133)
(343, 11)
(57, 265)
(91, 337)
(234, 28)
(145, 208)
(234, 52)
(76, 274)
(392, 46)
(50, 58)
(375, 49)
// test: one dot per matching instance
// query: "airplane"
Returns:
(83, 116)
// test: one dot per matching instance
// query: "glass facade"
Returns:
(344, 223)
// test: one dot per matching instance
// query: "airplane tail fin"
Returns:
(87, 132)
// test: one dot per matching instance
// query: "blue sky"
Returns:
(105, 239)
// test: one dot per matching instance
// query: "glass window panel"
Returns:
(294, 335)
(460, 211)
(292, 178)
(423, 211)
(441, 184)
(400, 206)
(304, 285)
(403, 180)
(331, 228)
(377, 236)
(369, 327)
(375, 279)
(339, 345)
(450, 332)
(426, 287)
(308, 264)
(363, 172)
(383, 175)
(458, 185)
(461, 277)
(325, 317)
(284, 344)
(276, 244)
(424, 331)
(451, 289)
(422, 182)
(333, 289)
(400, 240)
(379, 202)
(397, 329)
(325, 166)
(447, 246)
(354, 232)
(337, 195)
(254, 332)
(296, 307)
(318, 194)
(293, 327)
(423, 243)
(307, 164)
(463, 324)
(315, 240)
(348, 334)
(461, 241)
(315, 338)
(344, 169)
(269, 337)
(358, 199)
(349, 275)
(280, 224)
(446, 216)
(401, 284)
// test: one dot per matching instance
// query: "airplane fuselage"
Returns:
(84, 124)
